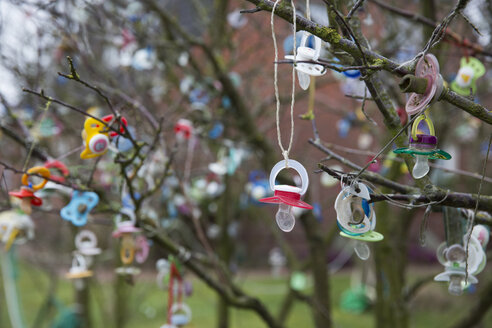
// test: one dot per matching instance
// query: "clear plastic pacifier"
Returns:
(287, 196)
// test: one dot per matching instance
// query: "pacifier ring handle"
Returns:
(129, 213)
(42, 171)
(430, 125)
(85, 238)
(293, 164)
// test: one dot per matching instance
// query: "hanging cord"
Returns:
(285, 152)
(471, 218)
(424, 225)
(312, 86)
(409, 206)
(34, 141)
(410, 122)
(189, 158)
(69, 153)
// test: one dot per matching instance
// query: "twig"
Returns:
(238, 298)
(59, 102)
(413, 289)
(426, 21)
(13, 169)
(117, 117)
(470, 226)
(331, 36)
(354, 9)
(452, 199)
(75, 77)
(93, 170)
(18, 139)
(478, 310)
(398, 159)
(349, 29)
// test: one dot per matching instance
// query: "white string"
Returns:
(285, 152)
(69, 153)
(189, 158)
(410, 205)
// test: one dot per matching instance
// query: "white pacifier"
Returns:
(304, 53)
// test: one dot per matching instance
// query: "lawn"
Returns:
(146, 304)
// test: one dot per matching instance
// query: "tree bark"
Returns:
(225, 249)
(82, 301)
(321, 298)
(390, 258)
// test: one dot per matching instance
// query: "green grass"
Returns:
(146, 304)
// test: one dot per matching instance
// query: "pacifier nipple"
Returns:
(421, 167)
(285, 218)
(455, 287)
(362, 250)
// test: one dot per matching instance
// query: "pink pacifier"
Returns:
(425, 86)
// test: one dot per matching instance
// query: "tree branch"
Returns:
(331, 36)
(478, 310)
(237, 299)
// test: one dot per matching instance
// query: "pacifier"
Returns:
(304, 53)
(236, 19)
(352, 73)
(180, 314)
(216, 130)
(199, 97)
(220, 167)
(58, 166)
(327, 180)
(80, 205)
(356, 218)
(15, 228)
(402, 114)
(163, 268)
(96, 136)
(470, 71)
(277, 261)
(453, 259)
(482, 234)
(425, 86)
(183, 129)
(365, 140)
(58, 173)
(79, 268)
(287, 196)
(86, 243)
(298, 281)
(144, 59)
(229, 159)
(477, 258)
(258, 185)
(131, 246)
(26, 193)
(423, 147)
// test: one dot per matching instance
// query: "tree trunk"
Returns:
(81, 289)
(82, 301)
(225, 249)
(390, 257)
(321, 297)
(120, 304)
